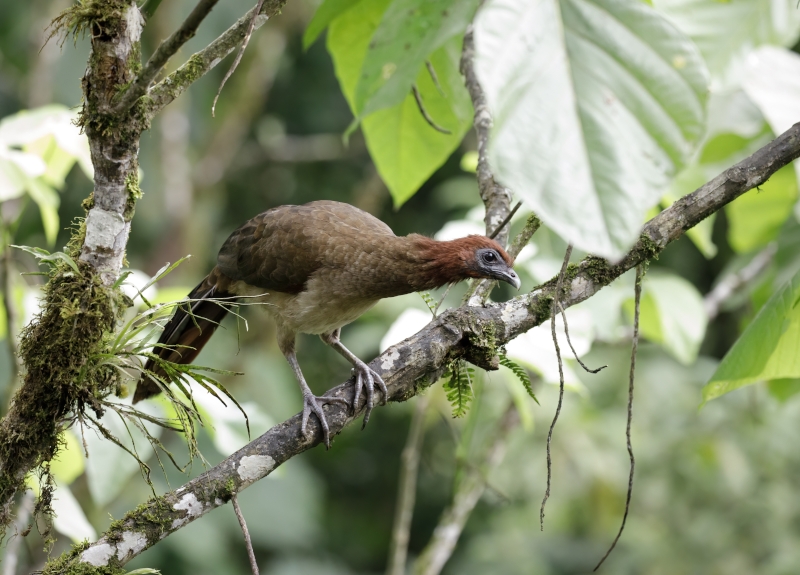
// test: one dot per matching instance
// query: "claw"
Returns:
(366, 378)
(314, 403)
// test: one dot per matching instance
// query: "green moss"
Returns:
(65, 372)
(542, 307)
(648, 248)
(134, 194)
(599, 270)
(69, 564)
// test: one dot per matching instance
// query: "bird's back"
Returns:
(281, 248)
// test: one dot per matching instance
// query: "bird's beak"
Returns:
(509, 276)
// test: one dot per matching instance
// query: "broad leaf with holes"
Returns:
(596, 104)
(767, 350)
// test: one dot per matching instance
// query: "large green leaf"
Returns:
(727, 31)
(768, 348)
(596, 104)
(405, 148)
(327, 12)
(410, 30)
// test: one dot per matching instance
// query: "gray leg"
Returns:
(310, 401)
(365, 377)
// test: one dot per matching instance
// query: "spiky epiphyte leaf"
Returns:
(521, 374)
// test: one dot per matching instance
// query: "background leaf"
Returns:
(406, 150)
(768, 347)
(409, 32)
(727, 31)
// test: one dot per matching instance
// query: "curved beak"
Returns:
(509, 276)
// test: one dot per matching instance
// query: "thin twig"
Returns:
(248, 543)
(435, 78)
(569, 341)
(166, 50)
(407, 489)
(465, 497)
(510, 215)
(202, 61)
(441, 301)
(424, 112)
(634, 347)
(734, 282)
(553, 312)
(496, 198)
(524, 236)
(239, 55)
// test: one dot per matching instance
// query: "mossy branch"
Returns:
(200, 63)
(414, 364)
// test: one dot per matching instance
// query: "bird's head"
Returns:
(460, 259)
(485, 258)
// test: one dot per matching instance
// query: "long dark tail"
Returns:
(189, 329)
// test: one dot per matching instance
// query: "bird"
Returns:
(318, 267)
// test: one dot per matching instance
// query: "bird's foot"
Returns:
(367, 379)
(313, 403)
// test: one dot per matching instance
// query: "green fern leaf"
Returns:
(521, 374)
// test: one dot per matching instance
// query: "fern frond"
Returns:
(429, 301)
(458, 387)
(521, 374)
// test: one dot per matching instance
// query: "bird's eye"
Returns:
(490, 257)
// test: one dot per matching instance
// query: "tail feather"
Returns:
(189, 329)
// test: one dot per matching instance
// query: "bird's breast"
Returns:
(317, 309)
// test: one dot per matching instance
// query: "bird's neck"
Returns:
(417, 263)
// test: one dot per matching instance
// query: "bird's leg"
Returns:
(310, 401)
(365, 376)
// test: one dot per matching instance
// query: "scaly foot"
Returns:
(367, 378)
(313, 403)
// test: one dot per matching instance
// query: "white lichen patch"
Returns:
(98, 554)
(191, 505)
(388, 359)
(135, 22)
(253, 467)
(103, 228)
(132, 543)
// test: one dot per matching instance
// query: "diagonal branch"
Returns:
(414, 364)
(166, 50)
(203, 61)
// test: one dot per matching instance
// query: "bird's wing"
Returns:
(281, 248)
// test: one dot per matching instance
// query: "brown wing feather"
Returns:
(281, 248)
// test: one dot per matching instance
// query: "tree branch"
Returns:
(166, 50)
(496, 198)
(412, 365)
(203, 61)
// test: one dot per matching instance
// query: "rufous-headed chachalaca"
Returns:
(318, 267)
